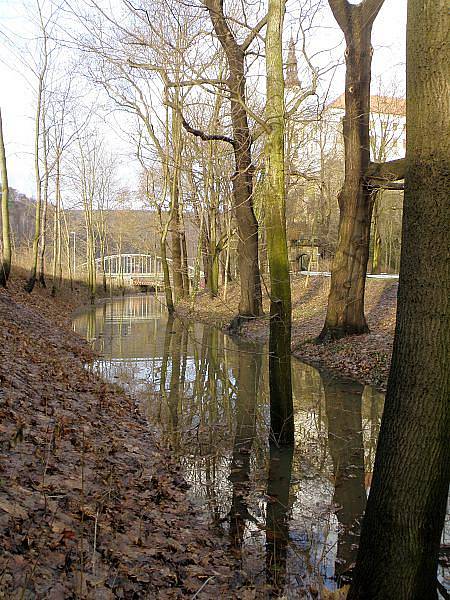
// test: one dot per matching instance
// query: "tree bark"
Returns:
(281, 407)
(250, 303)
(29, 286)
(43, 238)
(377, 242)
(345, 312)
(405, 513)
(6, 230)
(57, 225)
(177, 268)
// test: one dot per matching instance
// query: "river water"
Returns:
(292, 515)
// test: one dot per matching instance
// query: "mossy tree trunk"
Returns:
(281, 408)
(6, 230)
(398, 553)
(345, 312)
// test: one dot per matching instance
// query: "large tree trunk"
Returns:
(345, 313)
(281, 408)
(251, 299)
(6, 231)
(402, 527)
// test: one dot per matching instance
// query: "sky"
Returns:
(17, 97)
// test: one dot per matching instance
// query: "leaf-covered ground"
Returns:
(365, 358)
(90, 506)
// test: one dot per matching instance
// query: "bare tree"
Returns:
(281, 407)
(41, 74)
(6, 230)
(345, 311)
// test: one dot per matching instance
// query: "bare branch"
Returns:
(202, 81)
(206, 137)
(253, 34)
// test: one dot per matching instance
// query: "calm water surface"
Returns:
(292, 515)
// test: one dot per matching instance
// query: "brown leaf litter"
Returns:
(90, 506)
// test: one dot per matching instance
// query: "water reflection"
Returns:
(247, 376)
(345, 442)
(292, 514)
(277, 513)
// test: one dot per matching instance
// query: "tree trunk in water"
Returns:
(345, 312)
(281, 408)
(345, 442)
(405, 513)
(6, 230)
(173, 399)
(277, 520)
(250, 303)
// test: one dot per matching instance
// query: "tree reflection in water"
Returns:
(345, 441)
(247, 383)
(292, 513)
(277, 514)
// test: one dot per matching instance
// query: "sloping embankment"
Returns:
(89, 505)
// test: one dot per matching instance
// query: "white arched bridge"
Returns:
(136, 269)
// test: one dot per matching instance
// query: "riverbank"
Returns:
(364, 358)
(90, 505)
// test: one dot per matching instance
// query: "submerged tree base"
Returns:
(236, 324)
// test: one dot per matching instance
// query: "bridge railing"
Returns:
(139, 265)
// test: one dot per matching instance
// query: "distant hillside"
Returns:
(21, 211)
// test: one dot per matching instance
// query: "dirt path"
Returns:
(364, 358)
(90, 506)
